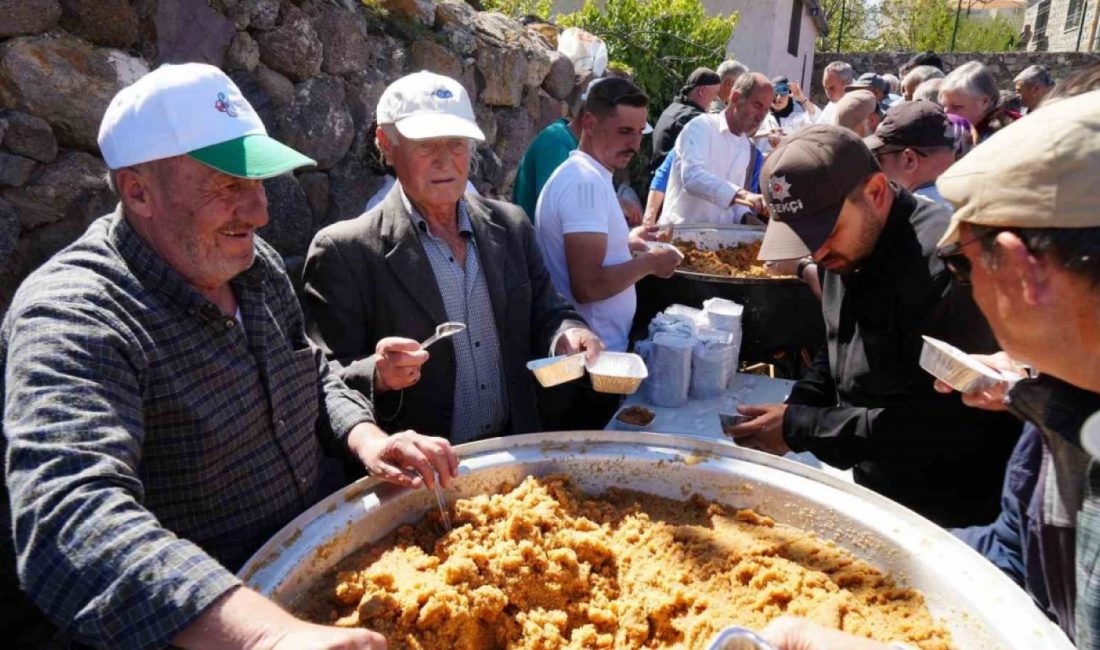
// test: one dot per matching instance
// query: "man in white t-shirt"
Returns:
(712, 173)
(582, 232)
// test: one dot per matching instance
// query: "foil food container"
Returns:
(738, 638)
(981, 607)
(557, 370)
(956, 368)
(617, 372)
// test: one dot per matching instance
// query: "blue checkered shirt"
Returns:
(480, 397)
(153, 443)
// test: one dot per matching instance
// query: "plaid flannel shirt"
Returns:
(152, 443)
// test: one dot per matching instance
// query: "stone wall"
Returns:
(1005, 65)
(314, 70)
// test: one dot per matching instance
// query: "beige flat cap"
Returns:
(1041, 171)
(855, 107)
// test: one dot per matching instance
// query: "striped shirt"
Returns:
(480, 396)
(153, 443)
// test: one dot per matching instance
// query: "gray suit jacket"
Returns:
(368, 278)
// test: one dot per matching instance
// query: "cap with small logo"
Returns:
(191, 109)
(805, 182)
(425, 105)
(918, 123)
(1038, 172)
(868, 81)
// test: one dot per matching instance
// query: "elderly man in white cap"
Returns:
(429, 254)
(164, 411)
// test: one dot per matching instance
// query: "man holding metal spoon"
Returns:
(429, 253)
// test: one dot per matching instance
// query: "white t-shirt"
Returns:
(827, 115)
(580, 197)
(710, 166)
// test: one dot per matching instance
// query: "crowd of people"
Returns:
(170, 402)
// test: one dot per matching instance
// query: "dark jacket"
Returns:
(672, 121)
(1032, 540)
(368, 278)
(867, 403)
(1059, 410)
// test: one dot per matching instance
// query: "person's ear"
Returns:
(1021, 268)
(876, 192)
(385, 146)
(588, 121)
(912, 160)
(135, 190)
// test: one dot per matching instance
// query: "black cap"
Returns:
(701, 77)
(918, 123)
(927, 57)
(869, 81)
(805, 182)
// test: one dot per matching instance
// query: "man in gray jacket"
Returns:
(430, 254)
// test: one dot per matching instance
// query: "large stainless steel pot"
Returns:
(982, 608)
(780, 313)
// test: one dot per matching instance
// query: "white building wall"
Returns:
(760, 39)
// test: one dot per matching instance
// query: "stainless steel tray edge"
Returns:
(981, 606)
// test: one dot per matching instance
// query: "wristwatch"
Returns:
(801, 268)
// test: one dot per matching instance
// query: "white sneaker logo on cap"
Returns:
(781, 189)
(223, 105)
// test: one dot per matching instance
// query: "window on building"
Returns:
(1073, 14)
(1042, 16)
(795, 34)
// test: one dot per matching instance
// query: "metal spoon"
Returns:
(442, 331)
(439, 500)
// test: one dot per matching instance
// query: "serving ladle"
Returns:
(442, 331)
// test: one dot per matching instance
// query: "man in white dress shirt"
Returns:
(834, 80)
(714, 155)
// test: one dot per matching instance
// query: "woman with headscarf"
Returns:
(785, 116)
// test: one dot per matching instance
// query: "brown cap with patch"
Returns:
(805, 182)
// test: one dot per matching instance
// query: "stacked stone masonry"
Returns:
(314, 70)
(1005, 65)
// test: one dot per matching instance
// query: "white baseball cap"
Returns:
(192, 109)
(425, 105)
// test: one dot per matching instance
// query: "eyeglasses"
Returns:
(879, 153)
(956, 261)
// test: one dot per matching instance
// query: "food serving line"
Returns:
(978, 604)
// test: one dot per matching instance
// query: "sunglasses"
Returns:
(956, 261)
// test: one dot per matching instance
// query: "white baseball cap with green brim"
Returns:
(192, 109)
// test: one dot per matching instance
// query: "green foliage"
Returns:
(928, 24)
(851, 26)
(914, 25)
(518, 8)
(661, 41)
